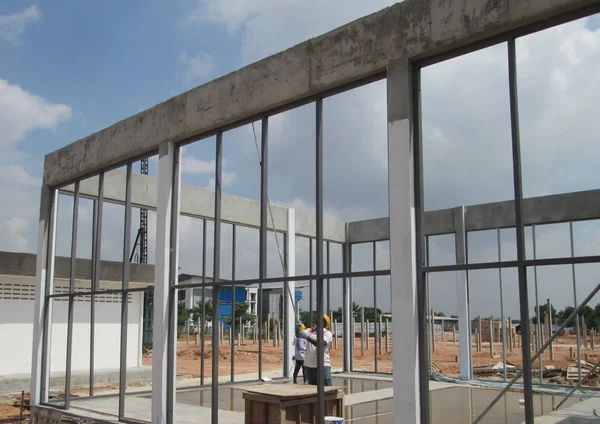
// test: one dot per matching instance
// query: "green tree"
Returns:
(543, 311)
(196, 311)
(241, 310)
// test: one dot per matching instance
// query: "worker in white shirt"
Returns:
(300, 353)
(310, 359)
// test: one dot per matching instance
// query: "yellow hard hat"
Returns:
(327, 321)
(302, 327)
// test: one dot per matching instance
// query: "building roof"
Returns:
(24, 264)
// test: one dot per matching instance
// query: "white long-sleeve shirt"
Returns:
(310, 360)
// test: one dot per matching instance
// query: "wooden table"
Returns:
(289, 403)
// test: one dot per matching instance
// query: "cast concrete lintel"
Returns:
(553, 209)
(198, 202)
(23, 264)
(413, 29)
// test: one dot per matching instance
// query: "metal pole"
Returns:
(93, 263)
(328, 280)
(347, 331)
(502, 308)
(96, 257)
(319, 232)
(538, 325)
(72, 277)
(521, 256)
(262, 271)
(577, 328)
(216, 277)
(202, 342)
(233, 302)
(172, 293)
(422, 283)
(351, 313)
(428, 321)
(124, 294)
(377, 331)
(310, 282)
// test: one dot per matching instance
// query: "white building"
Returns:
(17, 294)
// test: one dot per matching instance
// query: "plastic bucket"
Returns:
(334, 420)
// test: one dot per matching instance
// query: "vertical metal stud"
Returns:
(310, 282)
(502, 307)
(202, 342)
(328, 280)
(375, 320)
(233, 320)
(125, 294)
(262, 270)
(173, 292)
(521, 256)
(577, 328)
(72, 276)
(538, 327)
(319, 271)
(422, 278)
(216, 278)
(96, 258)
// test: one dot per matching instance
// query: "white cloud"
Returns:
(12, 26)
(227, 178)
(194, 69)
(13, 235)
(191, 165)
(268, 27)
(22, 112)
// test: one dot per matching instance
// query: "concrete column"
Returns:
(44, 275)
(462, 293)
(289, 287)
(160, 363)
(403, 242)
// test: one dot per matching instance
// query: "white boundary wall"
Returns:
(16, 329)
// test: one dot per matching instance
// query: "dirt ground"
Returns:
(246, 358)
(246, 362)
(446, 352)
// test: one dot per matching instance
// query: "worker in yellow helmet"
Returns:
(310, 358)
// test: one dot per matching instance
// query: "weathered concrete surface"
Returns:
(23, 264)
(199, 202)
(577, 206)
(365, 47)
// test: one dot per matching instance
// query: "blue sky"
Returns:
(70, 68)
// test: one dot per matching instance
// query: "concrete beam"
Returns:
(199, 202)
(24, 264)
(413, 29)
(554, 209)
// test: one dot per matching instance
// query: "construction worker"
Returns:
(300, 353)
(310, 359)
